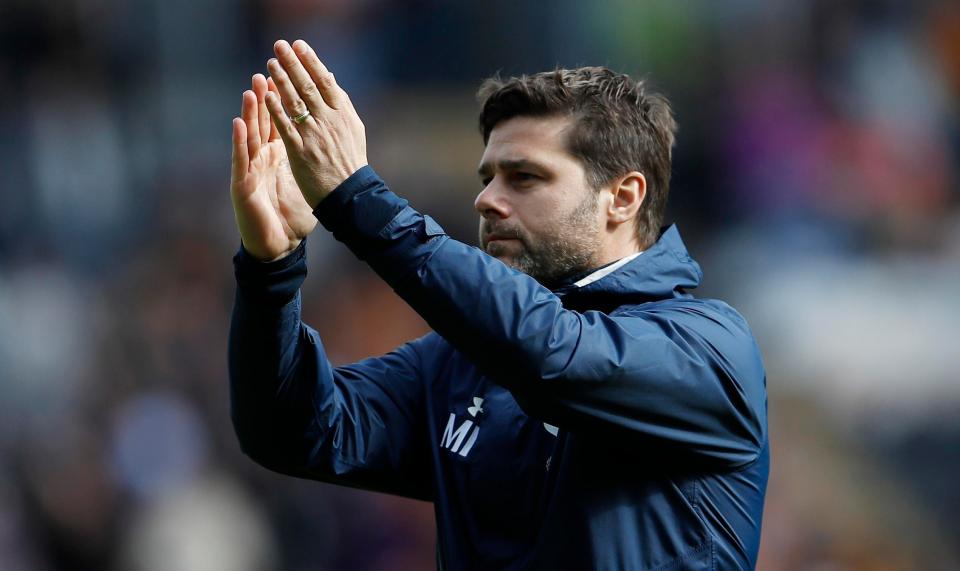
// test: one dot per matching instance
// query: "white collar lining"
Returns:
(605, 271)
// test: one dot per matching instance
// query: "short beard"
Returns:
(568, 247)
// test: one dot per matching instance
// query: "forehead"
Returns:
(540, 139)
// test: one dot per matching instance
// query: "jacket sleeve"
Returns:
(360, 425)
(686, 377)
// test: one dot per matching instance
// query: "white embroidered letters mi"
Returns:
(453, 438)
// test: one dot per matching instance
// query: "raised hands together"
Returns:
(284, 167)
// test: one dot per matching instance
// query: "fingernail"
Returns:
(300, 46)
(281, 46)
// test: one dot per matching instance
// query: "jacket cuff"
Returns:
(358, 210)
(378, 226)
(274, 283)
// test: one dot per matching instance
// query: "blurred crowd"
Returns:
(816, 179)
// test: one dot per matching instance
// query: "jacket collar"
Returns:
(663, 271)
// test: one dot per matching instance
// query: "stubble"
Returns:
(568, 246)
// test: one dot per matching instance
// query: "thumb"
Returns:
(240, 161)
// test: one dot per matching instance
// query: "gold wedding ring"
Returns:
(301, 117)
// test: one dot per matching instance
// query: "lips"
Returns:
(494, 232)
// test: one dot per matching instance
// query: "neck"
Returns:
(618, 245)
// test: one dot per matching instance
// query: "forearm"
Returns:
(271, 400)
(497, 316)
(295, 413)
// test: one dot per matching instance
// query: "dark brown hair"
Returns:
(619, 126)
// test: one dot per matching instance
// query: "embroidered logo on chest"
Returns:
(460, 439)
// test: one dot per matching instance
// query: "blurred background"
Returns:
(816, 179)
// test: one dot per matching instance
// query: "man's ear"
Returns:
(628, 193)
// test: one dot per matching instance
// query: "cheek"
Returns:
(542, 216)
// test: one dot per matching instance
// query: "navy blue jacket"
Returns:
(615, 425)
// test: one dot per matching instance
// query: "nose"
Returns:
(491, 203)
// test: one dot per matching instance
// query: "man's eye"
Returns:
(486, 182)
(524, 177)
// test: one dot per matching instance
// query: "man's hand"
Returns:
(271, 213)
(323, 134)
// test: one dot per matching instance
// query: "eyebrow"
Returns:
(511, 164)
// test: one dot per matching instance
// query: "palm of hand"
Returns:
(288, 216)
(271, 212)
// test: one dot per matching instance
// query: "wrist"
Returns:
(255, 256)
(251, 260)
(332, 186)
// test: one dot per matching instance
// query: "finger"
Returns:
(260, 89)
(271, 86)
(332, 94)
(249, 115)
(240, 161)
(288, 95)
(289, 134)
(299, 78)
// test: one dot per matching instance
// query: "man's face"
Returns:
(538, 213)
